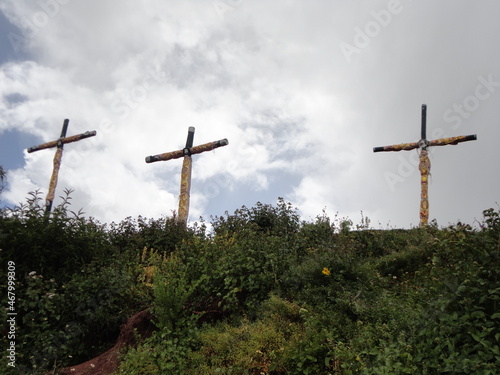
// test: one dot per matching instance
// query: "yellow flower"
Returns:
(326, 271)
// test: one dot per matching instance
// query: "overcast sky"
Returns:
(303, 90)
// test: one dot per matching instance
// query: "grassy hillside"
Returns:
(261, 293)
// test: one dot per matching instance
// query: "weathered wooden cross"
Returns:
(425, 164)
(186, 152)
(59, 143)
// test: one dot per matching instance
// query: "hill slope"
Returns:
(262, 293)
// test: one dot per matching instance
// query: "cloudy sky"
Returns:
(302, 90)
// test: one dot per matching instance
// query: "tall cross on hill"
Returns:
(59, 143)
(186, 152)
(425, 164)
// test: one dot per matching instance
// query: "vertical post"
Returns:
(424, 167)
(185, 189)
(64, 128)
(55, 171)
(187, 166)
(423, 134)
(190, 137)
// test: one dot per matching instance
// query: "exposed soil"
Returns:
(139, 324)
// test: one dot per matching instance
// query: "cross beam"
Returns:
(425, 164)
(59, 143)
(186, 152)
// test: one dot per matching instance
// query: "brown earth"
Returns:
(139, 324)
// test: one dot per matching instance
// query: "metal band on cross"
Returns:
(59, 143)
(425, 164)
(186, 152)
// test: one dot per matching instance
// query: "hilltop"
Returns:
(262, 292)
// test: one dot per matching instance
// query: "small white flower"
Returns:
(32, 273)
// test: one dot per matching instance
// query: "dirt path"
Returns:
(107, 362)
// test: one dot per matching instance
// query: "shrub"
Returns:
(72, 292)
(54, 247)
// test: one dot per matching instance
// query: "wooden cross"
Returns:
(59, 143)
(186, 152)
(425, 164)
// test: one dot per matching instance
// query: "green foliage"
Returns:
(463, 329)
(54, 247)
(249, 347)
(233, 272)
(167, 351)
(73, 291)
(163, 235)
(457, 331)
(263, 293)
(171, 293)
(265, 218)
(163, 353)
(62, 324)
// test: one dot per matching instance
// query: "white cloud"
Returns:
(271, 77)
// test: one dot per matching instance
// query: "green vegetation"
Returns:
(261, 292)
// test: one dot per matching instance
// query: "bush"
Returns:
(72, 291)
(54, 247)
